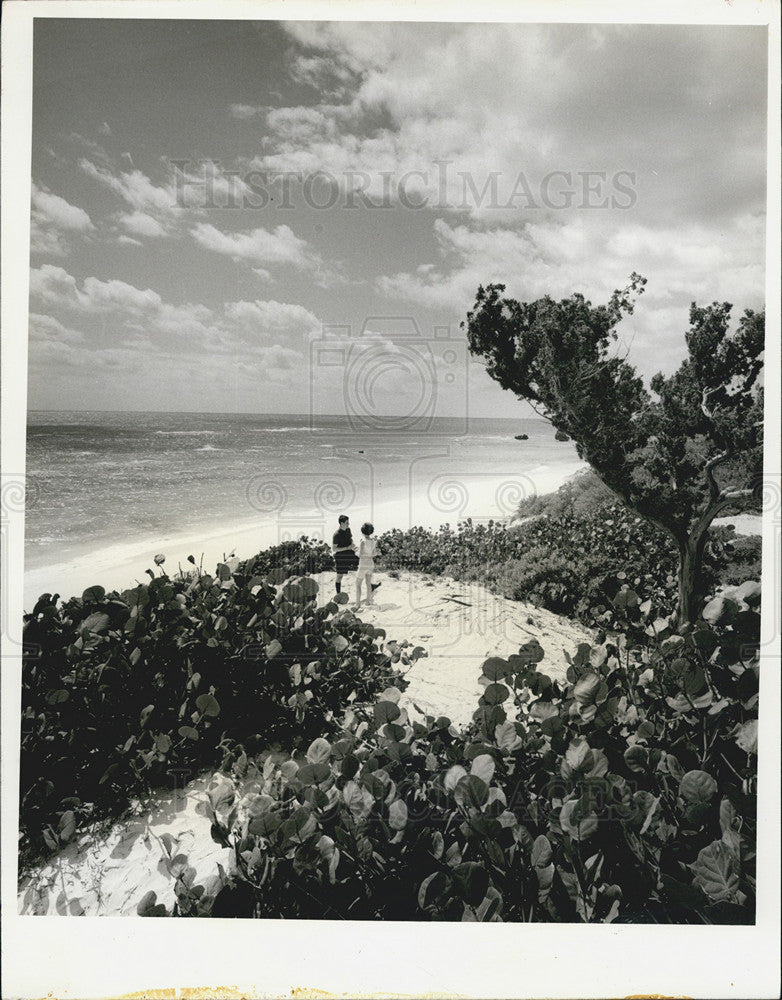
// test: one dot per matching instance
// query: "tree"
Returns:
(680, 454)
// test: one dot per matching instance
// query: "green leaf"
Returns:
(541, 852)
(483, 767)
(67, 826)
(385, 711)
(720, 611)
(319, 751)
(495, 668)
(636, 758)
(453, 776)
(747, 736)
(586, 688)
(697, 787)
(472, 881)
(578, 755)
(300, 826)
(207, 705)
(495, 694)
(273, 649)
(97, 622)
(573, 823)
(530, 652)
(314, 774)
(397, 815)
(716, 872)
(358, 800)
(188, 732)
(506, 737)
(433, 888)
(57, 697)
(93, 595)
(471, 793)
(147, 907)
(266, 824)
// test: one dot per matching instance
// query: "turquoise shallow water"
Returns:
(97, 478)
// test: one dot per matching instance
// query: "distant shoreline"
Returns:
(121, 565)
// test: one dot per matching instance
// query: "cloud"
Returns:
(114, 313)
(141, 224)
(280, 318)
(244, 112)
(54, 222)
(163, 208)
(416, 96)
(262, 249)
(258, 246)
(682, 265)
(135, 188)
(47, 329)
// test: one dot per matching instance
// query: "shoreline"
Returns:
(122, 565)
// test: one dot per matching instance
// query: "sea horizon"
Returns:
(112, 485)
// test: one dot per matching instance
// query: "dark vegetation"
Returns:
(120, 689)
(625, 793)
(678, 454)
(574, 559)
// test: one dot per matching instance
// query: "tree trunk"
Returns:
(690, 565)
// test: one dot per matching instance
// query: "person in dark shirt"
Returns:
(344, 549)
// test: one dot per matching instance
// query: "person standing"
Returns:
(366, 563)
(344, 549)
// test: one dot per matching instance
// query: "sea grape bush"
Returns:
(298, 557)
(569, 563)
(121, 690)
(625, 793)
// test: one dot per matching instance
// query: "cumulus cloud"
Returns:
(114, 314)
(682, 265)
(54, 222)
(258, 246)
(262, 249)
(652, 101)
(141, 224)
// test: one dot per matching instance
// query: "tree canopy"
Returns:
(680, 452)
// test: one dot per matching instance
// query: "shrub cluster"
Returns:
(119, 690)
(625, 793)
(298, 557)
(569, 561)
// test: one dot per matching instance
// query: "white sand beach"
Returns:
(458, 624)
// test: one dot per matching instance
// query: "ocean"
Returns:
(101, 481)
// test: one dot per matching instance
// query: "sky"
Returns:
(255, 216)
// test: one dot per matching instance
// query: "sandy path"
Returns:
(459, 625)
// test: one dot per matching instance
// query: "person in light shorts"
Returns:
(366, 564)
